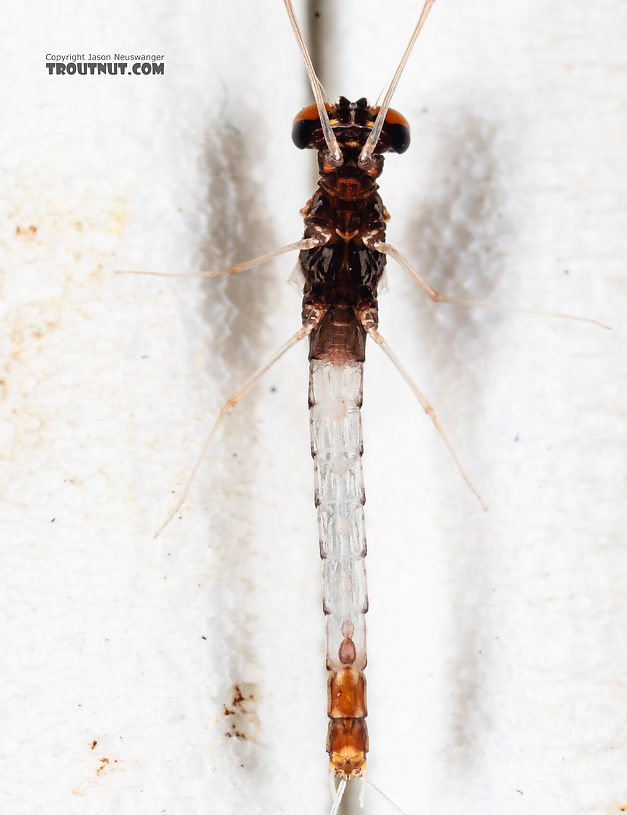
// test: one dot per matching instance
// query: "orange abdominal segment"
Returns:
(347, 738)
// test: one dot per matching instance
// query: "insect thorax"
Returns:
(341, 276)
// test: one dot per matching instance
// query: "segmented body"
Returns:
(340, 300)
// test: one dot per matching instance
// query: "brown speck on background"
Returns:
(241, 711)
(105, 764)
(93, 744)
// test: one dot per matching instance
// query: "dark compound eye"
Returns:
(399, 135)
(304, 125)
(397, 128)
(302, 131)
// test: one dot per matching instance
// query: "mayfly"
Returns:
(342, 258)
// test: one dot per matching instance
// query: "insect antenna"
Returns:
(335, 154)
(365, 157)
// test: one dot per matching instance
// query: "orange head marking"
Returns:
(352, 123)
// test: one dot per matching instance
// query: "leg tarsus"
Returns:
(229, 404)
(234, 268)
(388, 249)
(428, 409)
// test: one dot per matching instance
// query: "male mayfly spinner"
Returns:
(342, 258)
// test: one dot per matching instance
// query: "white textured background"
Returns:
(497, 641)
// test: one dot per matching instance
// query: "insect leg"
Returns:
(230, 403)
(425, 404)
(388, 249)
(305, 243)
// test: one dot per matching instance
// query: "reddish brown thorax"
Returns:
(341, 277)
